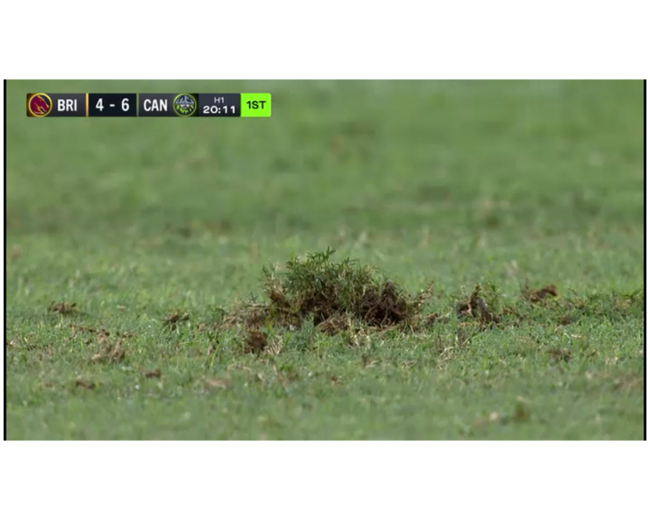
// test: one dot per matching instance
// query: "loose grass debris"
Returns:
(173, 319)
(63, 308)
(88, 385)
(478, 308)
(152, 373)
(560, 354)
(536, 296)
(356, 300)
(334, 296)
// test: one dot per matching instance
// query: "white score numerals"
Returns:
(214, 109)
(100, 104)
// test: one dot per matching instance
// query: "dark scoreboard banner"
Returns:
(148, 105)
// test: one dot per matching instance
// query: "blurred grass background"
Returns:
(509, 181)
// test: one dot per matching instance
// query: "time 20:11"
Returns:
(217, 110)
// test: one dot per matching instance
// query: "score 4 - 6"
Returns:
(112, 105)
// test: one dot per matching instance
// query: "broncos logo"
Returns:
(39, 105)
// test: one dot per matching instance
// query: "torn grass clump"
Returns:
(483, 304)
(332, 295)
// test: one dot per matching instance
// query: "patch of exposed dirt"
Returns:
(256, 342)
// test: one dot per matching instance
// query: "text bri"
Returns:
(66, 105)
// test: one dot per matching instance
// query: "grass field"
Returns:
(128, 240)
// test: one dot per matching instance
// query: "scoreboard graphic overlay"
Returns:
(148, 105)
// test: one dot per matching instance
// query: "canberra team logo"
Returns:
(185, 105)
(38, 105)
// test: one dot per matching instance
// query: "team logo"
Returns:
(39, 105)
(185, 105)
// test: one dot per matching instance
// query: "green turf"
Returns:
(504, 183)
